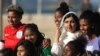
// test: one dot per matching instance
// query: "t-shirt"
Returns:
(46, 51)
(92, 45)
(13, 35)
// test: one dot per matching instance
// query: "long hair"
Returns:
(29, 47)
(89, 16)
(40, 36)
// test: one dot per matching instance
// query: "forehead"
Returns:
(11, 12)
(85, 21)
(58, 13)
(29, 31)
(21, 47)
(69, 19)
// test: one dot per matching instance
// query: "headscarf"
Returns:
(62, 21)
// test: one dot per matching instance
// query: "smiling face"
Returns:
(13, 18)
(84, 26)
(58, 17)
(29, 35)
(69, 50)
(70, 24)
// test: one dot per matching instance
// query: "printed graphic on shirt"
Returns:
(19, 34)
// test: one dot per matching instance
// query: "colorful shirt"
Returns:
(12, 36)
(46, 51)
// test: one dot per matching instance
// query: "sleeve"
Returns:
(57, 49)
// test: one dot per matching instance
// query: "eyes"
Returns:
(72, 21)
(29, 35)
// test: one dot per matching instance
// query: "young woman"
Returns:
(67, 31)
(25, 48)
(32, 33)
(75, 47)
(88, 27)
(60, 12)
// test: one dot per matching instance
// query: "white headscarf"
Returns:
(62, 21)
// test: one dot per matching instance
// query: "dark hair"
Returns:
(96, 21)
(7, 52)
(75, 18)
(33, 27)
(29, 47)
(89, 16)
(64, 8)
(17, 9)
(79, 45)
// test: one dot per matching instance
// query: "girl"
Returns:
(32, 33)
(88, 27)
(60, 12)
(75, 47)
(25, 48)
(68, 31)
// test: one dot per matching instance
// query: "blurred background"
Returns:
(40, 12)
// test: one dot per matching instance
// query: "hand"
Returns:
(57, 35)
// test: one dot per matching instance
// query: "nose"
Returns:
(10, 18)
(28, 38)
(81, 28)
(69, 23)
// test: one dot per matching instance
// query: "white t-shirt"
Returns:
(92, 45)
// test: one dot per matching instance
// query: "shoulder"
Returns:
(77, 33)
(22, 26)
(7, 27)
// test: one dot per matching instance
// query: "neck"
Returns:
(17, 25)
(92, 36)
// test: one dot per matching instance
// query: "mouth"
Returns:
(83, 31)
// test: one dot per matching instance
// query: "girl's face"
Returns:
(29, 35)
(69, 50)
(70, 24)
(13, 19)
(21, 51)
(84, 26)
(58, 17)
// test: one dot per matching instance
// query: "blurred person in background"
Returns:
(13, 32)
(86, 5)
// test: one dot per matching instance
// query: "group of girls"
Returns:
(76, 36)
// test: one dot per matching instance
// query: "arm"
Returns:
(56, 49)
